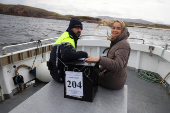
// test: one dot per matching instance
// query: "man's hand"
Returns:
(91, 59)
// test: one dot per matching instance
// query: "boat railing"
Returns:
(138, 39)
(93, 35)
(106, 36)
(38, 43)
(166, 46)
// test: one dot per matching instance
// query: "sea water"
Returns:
(18, 29)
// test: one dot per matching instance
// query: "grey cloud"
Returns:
(12, 1)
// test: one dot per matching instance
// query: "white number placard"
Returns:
(74, 83)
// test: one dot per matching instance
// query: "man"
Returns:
(64, 50)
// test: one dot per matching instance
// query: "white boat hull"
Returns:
(139, 59)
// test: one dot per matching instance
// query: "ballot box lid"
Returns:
(78, 62)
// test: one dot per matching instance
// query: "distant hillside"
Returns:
(127, 20)
(21, 10)
(137, 23)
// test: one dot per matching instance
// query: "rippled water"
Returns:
(17, 29)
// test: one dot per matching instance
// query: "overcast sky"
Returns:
(150, 10)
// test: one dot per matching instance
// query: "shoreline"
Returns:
(88, 21)
(157, 28)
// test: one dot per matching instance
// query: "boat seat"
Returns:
(50, 99)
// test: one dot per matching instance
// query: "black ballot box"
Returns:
(81, 80)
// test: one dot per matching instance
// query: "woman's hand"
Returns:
(92, 59)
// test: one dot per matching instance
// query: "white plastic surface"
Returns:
(42, 72)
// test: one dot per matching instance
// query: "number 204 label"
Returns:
(74, 83)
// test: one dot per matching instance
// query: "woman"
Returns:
(113, 67)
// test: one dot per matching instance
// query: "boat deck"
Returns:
(146, 97)
(143, 96)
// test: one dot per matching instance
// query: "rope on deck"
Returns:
(149, 76)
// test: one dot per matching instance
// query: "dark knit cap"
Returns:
(75, 22)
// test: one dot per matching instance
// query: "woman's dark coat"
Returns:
(113, 67)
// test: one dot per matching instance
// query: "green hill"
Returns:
(21, 10)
